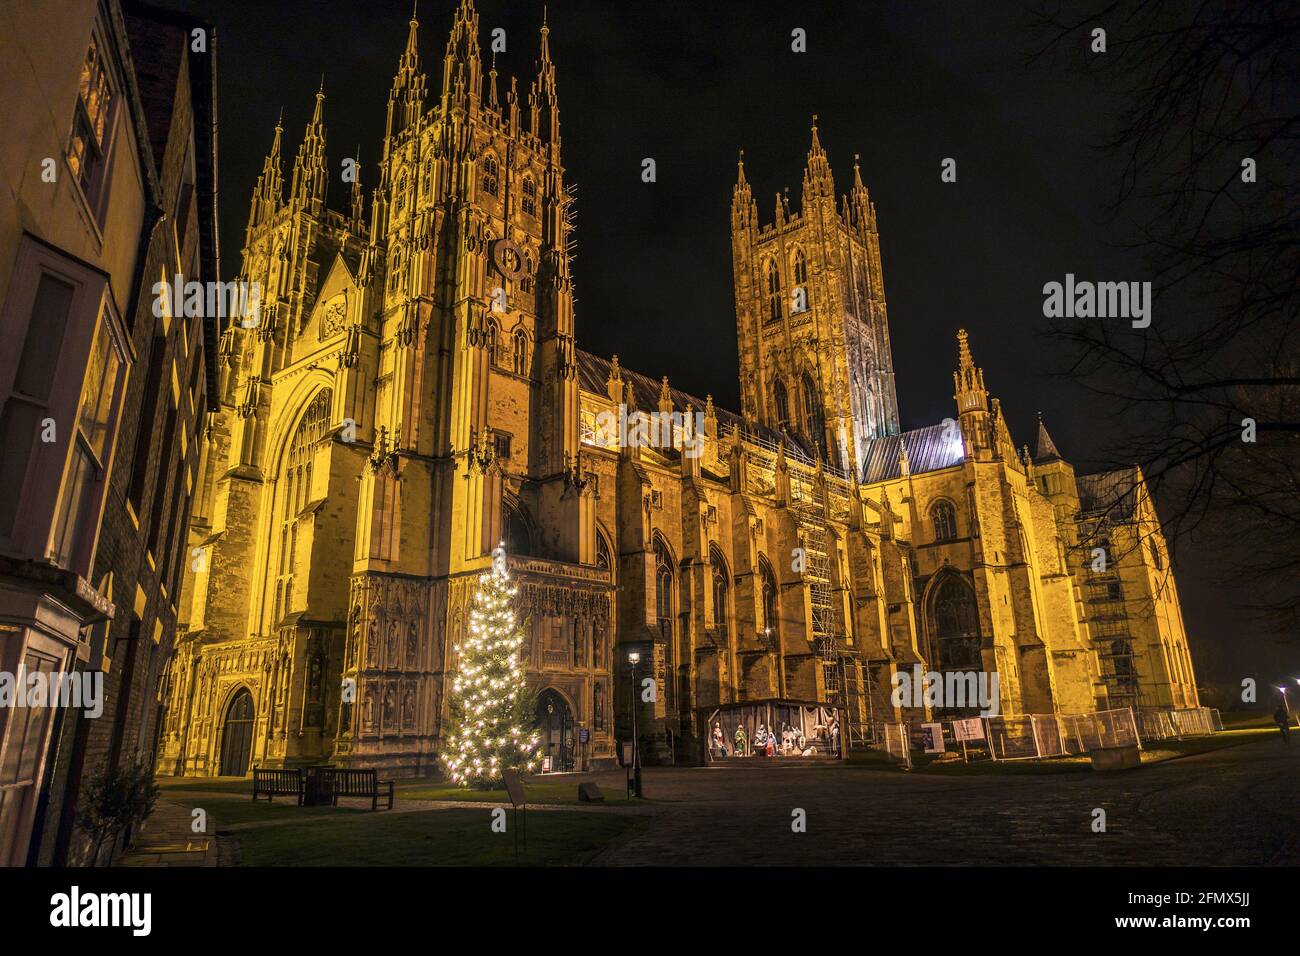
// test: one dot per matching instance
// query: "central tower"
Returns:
(813, 331)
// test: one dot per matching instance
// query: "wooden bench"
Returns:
(357, 783)
(277, 783)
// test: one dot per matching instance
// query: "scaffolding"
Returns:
(1111, 634)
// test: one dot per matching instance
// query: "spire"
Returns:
(406, 98)
(309, 173)
(268, 194)
(546, 105)
(462, 66)
(817, 178)
(1046, 448)
(968, 383)
(744, 211)
(492, 84)
(358, 200)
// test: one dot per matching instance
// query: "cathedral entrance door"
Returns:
(237, 736)
(555, 723)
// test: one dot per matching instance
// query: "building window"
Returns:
(92, 126)
(664, 611)
(814, 424)
(721, 584)
(773, 292)
(28, 402)
(956, 626)
(944, 517)
(521, 353)
(500, 445)
(782, 404)
(767, 580)
(76, 521)
(604, 561)
(295, 483)
(800, 298)
(1156, 557)
(493, 341)
(518, 538)
(530, 196)
(490, 175)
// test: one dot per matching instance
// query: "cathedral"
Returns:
(412, 394)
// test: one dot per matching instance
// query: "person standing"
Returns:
(1283, 718)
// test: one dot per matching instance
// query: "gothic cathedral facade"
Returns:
(412, 393)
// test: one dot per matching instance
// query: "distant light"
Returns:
(633, 657)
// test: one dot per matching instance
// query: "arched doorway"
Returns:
(555, 723)
(237, 736)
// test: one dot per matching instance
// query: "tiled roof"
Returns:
(1110, 491)
(593, 373)
(928, 449)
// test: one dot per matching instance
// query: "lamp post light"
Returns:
(634, 658)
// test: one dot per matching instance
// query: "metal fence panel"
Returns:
(897, 743)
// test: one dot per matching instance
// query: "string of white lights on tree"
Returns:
(491, 730)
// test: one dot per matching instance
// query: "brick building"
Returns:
(118, 100)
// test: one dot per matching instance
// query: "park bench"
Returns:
(357, 783)
(277, 783)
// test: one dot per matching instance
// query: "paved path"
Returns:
(1236, 806)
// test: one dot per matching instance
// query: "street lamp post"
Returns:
(634, 658)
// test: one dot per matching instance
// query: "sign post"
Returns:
(518, 801)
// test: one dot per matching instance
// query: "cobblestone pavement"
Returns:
(1235, 806)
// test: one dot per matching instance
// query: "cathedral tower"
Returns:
(815, 358)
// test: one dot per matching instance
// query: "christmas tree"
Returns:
(489, 706)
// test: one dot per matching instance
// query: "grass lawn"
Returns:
(414, 788)
(452, 837)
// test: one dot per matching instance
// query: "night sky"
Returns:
(689, 84)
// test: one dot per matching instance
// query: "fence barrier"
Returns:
(1037, 736)
(1179, 723)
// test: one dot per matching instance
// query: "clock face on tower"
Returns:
(507, 257)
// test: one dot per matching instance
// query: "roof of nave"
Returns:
(593, 373)
(928, 449)
(1109, 491)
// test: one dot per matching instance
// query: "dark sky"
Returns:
(689, 83)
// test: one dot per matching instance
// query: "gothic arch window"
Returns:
(604, 553)
(663, 588)
(812, 409)
(773, 292)
(521, 353)
(493, 341)
(401, 192)
(955, 625)
(529, 196)
(801, 279)
(428, 175)
(721, 588)
(768, 625)
(944, 518)
(782, 403)
(519, 539)
(664, 604)
(1157, 558)
(294, 489)
(526, 276)
(491, 174)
